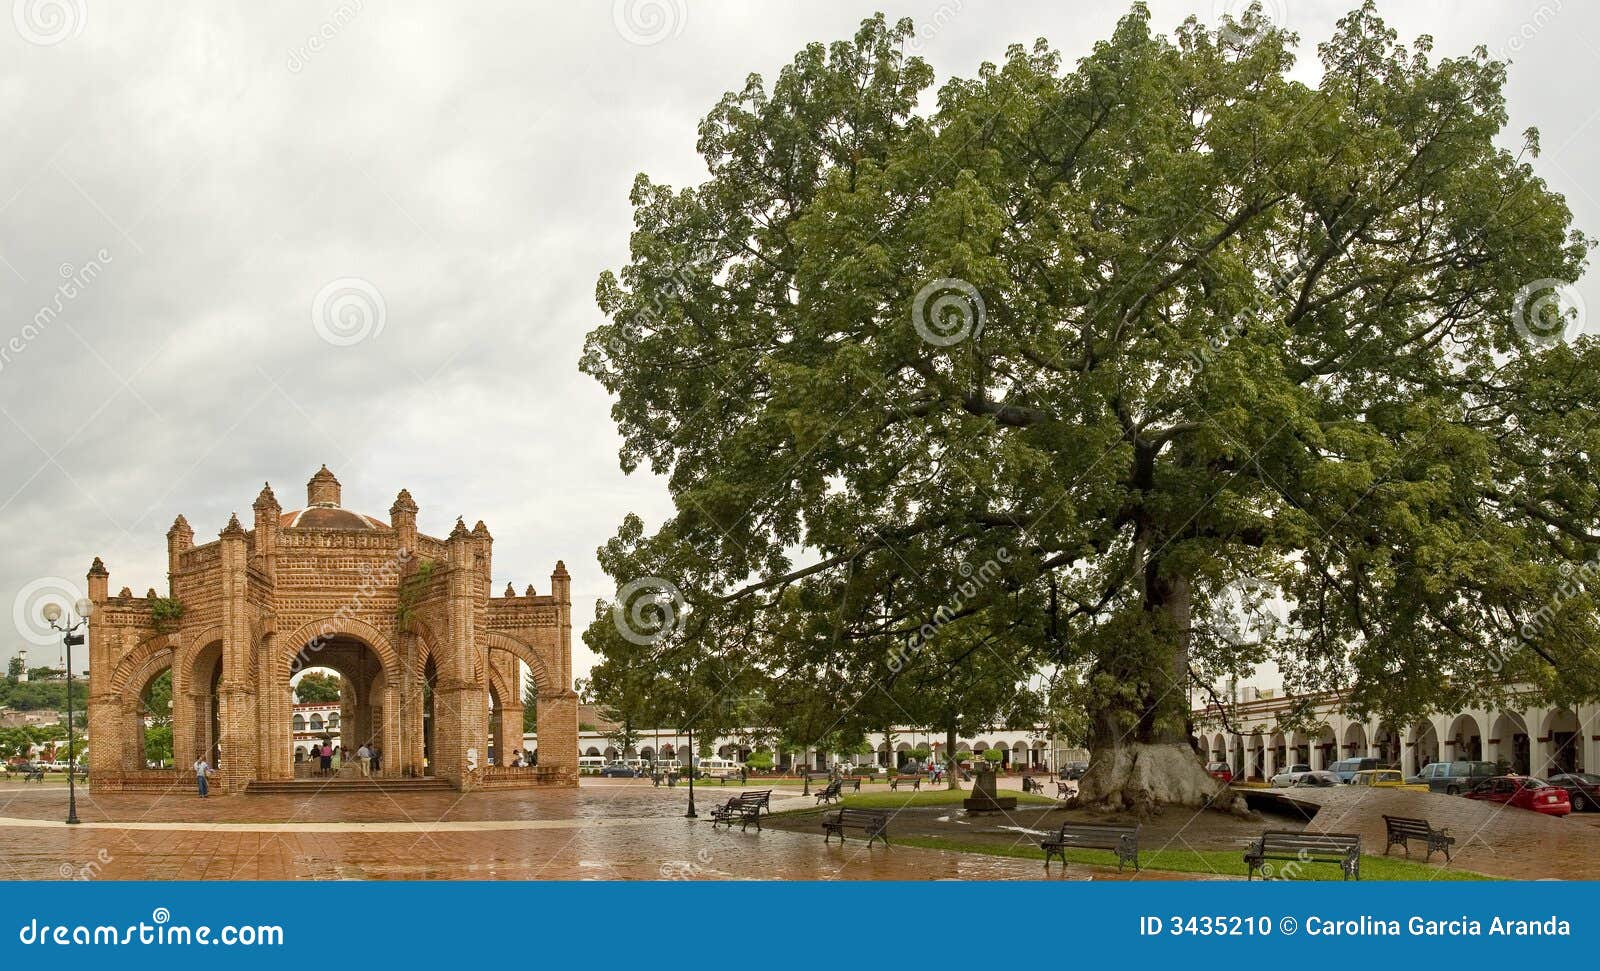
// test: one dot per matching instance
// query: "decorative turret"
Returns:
(323, 490)
(529, 591)
(510, 590)
(460, 530)
(179, 538)
(268, 513)
(403, 517)
(233, 530)
(561, 583)
(99, 582)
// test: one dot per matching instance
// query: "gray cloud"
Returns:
(221, 164)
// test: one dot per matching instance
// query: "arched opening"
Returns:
(153, 721)
(1387, 741)
(430, 677)
(1466, 739)
(1509, 744)
(1355, 741)
(1561, 743)
(1422, 748)
(1325, 750)
(341, 675)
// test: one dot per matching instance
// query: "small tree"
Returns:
(315, 687)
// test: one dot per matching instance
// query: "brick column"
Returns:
(240, 751)
(558, 733)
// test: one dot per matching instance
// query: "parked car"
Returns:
(1385, 779)
(1074, 770)
(619, 770)
(1345, 769)
(1583, 788)
(1220, 771)
(1454, 778)
(1523, 792)
(1318, 779)
(1286, 778)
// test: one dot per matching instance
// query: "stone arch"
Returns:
(1324, 746)
(1422, 747)
(500, 641)
(1560, 743)
(139, 657)
(1510, 742)
(1465, 738)
(1355, 740)
(327, 629)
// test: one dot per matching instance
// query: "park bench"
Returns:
(854, 782)
(1402, 829)
(1030, 784)
(34, 775)
(745, 807)
(724, 778)
(874, 825)
(830, 792)
(1062, 790)
(1341, 848)
(914, 781)
(1121, 840)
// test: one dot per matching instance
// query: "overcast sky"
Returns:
(187, 186)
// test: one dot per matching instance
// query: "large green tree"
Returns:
(1139, 330)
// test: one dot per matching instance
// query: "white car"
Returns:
(1287, 777)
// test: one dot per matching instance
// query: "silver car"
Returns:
(1287, 777)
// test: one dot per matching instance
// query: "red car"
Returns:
(1583, 788)
(1523, 792)
(1220, 772)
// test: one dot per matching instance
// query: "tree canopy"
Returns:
(1116, 337)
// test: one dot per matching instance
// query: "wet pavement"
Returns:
(599, 831)
(611, 830)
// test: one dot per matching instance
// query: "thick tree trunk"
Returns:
(1141, 760)
(952, 778)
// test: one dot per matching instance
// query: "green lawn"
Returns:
(901, 798)
(1225, 862)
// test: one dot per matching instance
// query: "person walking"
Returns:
(364, 756)
(202, 769)
(377, 758)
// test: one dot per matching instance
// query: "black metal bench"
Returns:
(745, 807)
(1400, 830)
(1062, 790)
(1343, 849)
(1030, 784)
(34, 775)
(829, 792)
(874, 825)
(1121, 840)
(852, 782)
(914, 781)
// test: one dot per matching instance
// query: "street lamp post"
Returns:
(691, 814)
(58, 620)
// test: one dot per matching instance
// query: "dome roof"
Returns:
(329, 517)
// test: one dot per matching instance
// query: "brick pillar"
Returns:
(240, 749)
(558, 733)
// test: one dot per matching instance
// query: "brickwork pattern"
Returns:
(407, 620)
